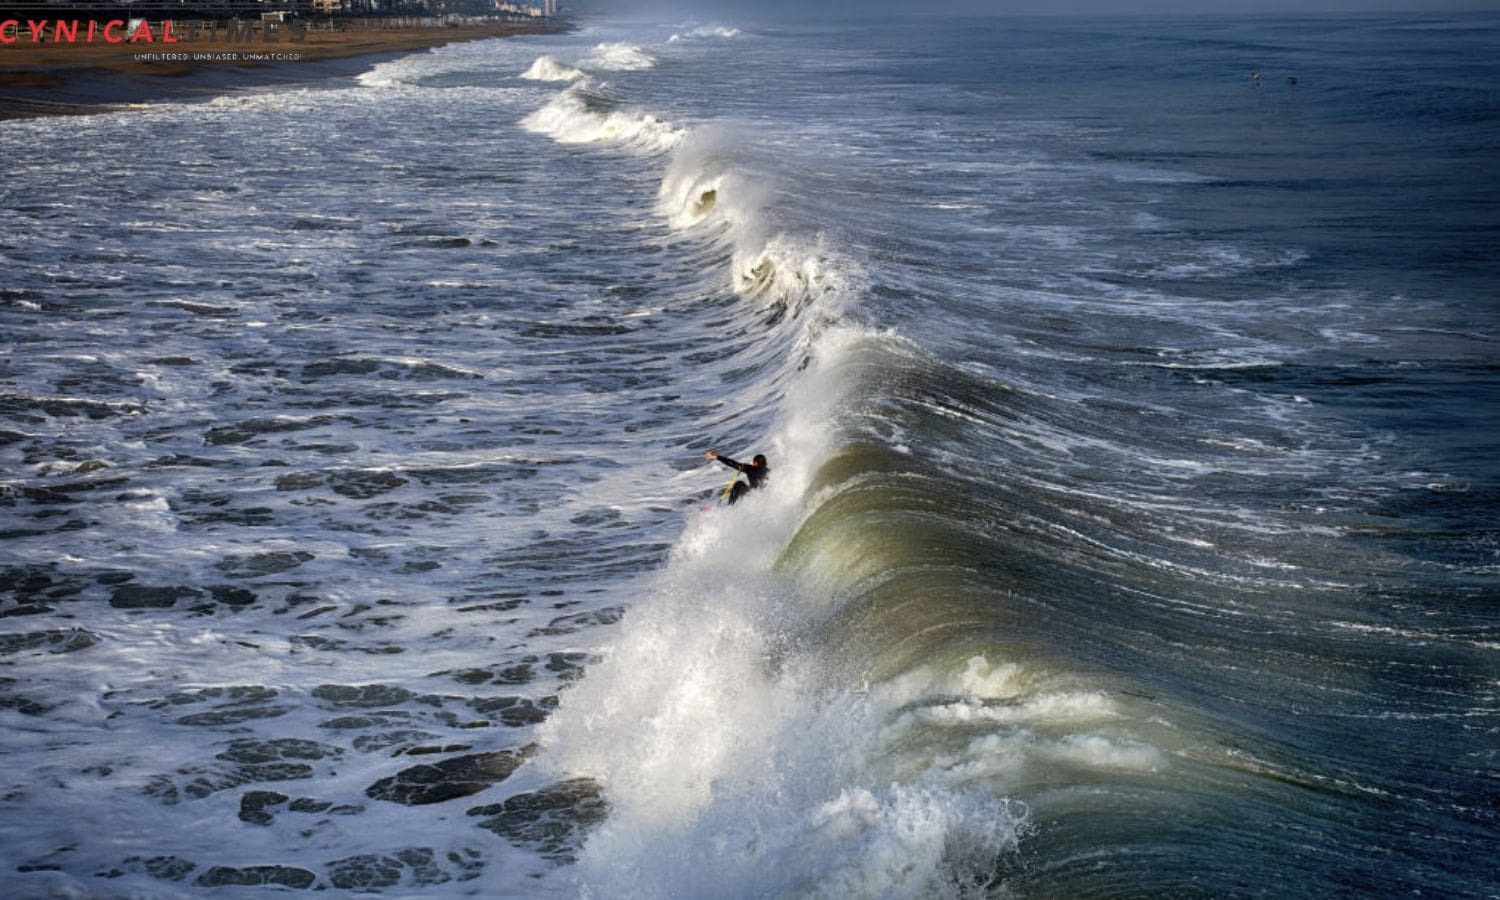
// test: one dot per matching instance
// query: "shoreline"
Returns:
(44, 80)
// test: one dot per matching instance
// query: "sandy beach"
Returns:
(71, 79)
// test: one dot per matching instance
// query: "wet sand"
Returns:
(71, 79)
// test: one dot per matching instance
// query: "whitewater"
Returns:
(1131, 527)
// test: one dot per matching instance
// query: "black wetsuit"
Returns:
(756, 474)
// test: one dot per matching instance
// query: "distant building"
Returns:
(527, 9)
(223, 7)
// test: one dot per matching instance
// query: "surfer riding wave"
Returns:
(756, 471)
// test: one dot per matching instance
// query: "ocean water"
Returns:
(1134, 518)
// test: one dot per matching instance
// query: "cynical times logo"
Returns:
(57, 32)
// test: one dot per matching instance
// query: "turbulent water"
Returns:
(1133, 526)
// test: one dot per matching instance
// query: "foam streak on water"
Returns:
(1131, 521)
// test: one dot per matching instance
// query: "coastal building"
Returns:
(518, 9)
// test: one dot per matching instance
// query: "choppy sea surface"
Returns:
(1130, 392)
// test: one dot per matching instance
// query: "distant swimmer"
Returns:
(756, 471)
(1291, 79)
(1255, 78)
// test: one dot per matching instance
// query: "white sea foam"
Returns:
(1069, 708)
(707, 31)
(382, 76)
(567, 119)
(1004, 756)
(618, 56)
(786, 268)
(547, 68)
(394, 73)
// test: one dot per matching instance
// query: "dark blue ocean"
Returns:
(1130, 391)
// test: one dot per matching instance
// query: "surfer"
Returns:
(756, 471)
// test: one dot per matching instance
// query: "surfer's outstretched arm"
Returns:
(733, 464)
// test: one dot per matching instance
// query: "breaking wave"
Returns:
(726, 733)
(578, 117)
(547, 68)
(1051, 516)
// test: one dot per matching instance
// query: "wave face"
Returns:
(1106, 549)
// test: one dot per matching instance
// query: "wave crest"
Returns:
(569, 119)
(546, 68)
(698, 184)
